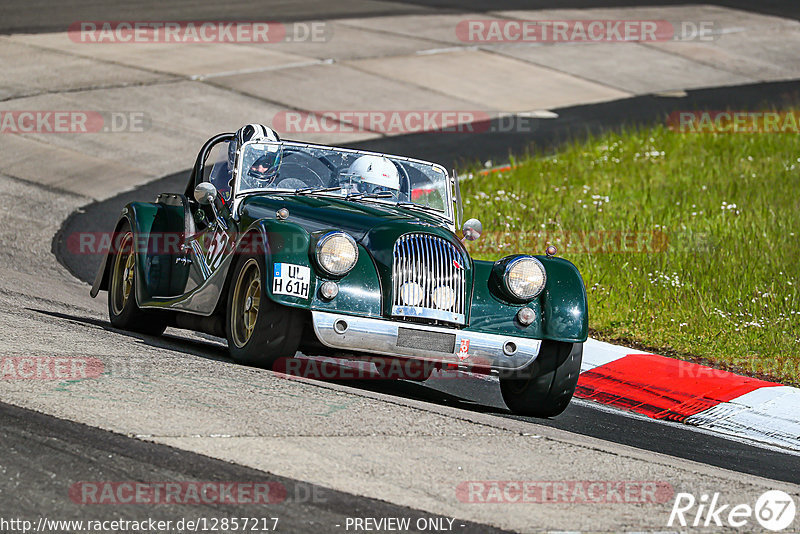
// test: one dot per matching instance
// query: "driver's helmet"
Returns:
(258, 133)
(249, 132)
(374, 174)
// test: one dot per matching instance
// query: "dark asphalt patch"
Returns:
(44, 459)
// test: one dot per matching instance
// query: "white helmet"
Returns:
(377, 171)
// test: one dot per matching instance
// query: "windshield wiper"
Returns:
(363, 196)
(310, 190)
(412, 205)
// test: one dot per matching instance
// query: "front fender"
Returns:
(564, 306)
(561, 308)
(140, 217)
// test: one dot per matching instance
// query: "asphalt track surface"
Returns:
(36, 16)
(43, 455)
(481, 396)
(47, 455)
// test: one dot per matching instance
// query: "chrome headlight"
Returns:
(524, 277)
(337, 253)
(444, 297)
(411, 293)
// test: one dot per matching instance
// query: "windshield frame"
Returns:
(447, 215)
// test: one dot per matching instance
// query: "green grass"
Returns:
(719, 284)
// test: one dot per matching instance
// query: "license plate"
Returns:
(290, 279)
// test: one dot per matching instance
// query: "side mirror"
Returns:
(205, 193)
(472, 229)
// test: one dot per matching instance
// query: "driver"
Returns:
(264, 169)
(374, 174)
(268, 163)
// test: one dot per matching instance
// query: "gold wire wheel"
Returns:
(246, 299)
(122, 277)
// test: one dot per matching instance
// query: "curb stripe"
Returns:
(770, 414)
(663, 388)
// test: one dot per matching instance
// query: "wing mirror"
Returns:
(472, 229)
(205, 193)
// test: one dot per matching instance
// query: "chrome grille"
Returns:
(436, 266)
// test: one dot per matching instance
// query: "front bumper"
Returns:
(423, 342)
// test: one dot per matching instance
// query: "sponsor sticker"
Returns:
(290, 279)
(463, 350)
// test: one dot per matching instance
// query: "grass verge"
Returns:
(689, 244)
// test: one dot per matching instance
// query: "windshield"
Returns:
(356, 175)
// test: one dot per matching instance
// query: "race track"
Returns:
(176, 408)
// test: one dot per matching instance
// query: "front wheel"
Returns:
(259, 331)
(123, 312)
(545, 387)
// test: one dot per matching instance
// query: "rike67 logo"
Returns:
(773, 510)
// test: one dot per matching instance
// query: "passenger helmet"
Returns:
(374, 173)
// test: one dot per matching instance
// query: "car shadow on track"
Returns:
(459, 390)
(203, 349)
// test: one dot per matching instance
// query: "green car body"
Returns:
(284, 228)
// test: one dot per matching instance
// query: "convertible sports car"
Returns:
(282, 246)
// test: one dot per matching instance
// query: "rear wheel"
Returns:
(545, 387)
(259, 330)
(123, 311)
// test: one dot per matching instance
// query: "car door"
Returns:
(215, 230)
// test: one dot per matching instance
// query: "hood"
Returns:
(318, 213)
(375, 226)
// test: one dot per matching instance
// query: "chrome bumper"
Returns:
(431, 343)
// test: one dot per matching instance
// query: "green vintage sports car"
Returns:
(282, 246)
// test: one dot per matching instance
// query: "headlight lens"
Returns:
(525, 277)
(337, 253)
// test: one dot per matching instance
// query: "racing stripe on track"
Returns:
(663, 388)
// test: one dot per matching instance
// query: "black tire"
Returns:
(544, 388)
(271, 331)
(123, 312)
